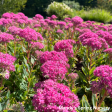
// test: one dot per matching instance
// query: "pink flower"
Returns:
(7, 62)
(73, 76)
(108, 50)
(54, 56)
(5, 37)
(30, 35)
(7, 74)
(14, 30)
(50, 95)
(104, 72)
(77, 20)
(53, 17)
(65, 46)
(56, 70)
(37, 45)
(59, 31)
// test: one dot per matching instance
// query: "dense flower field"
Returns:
(47, 65)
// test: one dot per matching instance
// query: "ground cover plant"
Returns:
(47, 65)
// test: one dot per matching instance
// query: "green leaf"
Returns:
(94, 100)
(0, 107)
(24, 49)
(84, 79)
(91, 71)
(86, 104)
(32, 60)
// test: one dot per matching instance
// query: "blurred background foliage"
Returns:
(32, 7)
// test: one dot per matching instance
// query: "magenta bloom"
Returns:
(106, 35)
(6, 62)
(7, 15)
(92, 39)
(77, 20)
(55, 70)
(7, 74)
(54, 56)
(5, 37)
(38, 54)
(104, 72)
(96, 86)
(38, 17)
(59, 31)
(30, 35)
(53, 17)
(65, 46)
(108, 50)
(73, 76)
(37, 45)
(50, 95)
(14, 30)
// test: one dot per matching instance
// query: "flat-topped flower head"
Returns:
(5, 37)
(14, 30)
(108, 50)
(38, 17)
(37, 45)
(65, 46)
(53, 55)
(30, 35)
(77, 20)
(59, 31)
(7, 62)
(53, 17)
(50, 95)
(104, 72)
(55, 70)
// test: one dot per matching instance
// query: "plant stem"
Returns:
(100, 102)
(6, 47)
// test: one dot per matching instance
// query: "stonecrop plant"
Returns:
(47, 65)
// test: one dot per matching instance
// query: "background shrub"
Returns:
(72, 4)
(60, 10)
(96, 14)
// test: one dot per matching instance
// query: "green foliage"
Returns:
(99, 15)
(60, 10)
(34, 7)
(90, 3)
(105, 4)
(11, 5)
(72, 4)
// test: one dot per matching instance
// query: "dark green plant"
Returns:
(11, 5)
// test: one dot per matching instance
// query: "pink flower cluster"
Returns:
(37, 45)
(108, 50)
(5, 37)
(77, 20)
(50, 95)
(38, 17)
(14, 30)
(106, 35)
(54, 56)
(92, 39)
(59, 31)
(73, 76)
(53, 17)
(56, 70)
(65, 46)
(30, 35)
(104, 72)
(7, 62)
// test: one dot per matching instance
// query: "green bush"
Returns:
(60, 10)
(72, 4)
(99, 15)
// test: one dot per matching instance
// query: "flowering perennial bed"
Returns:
(46, 64)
